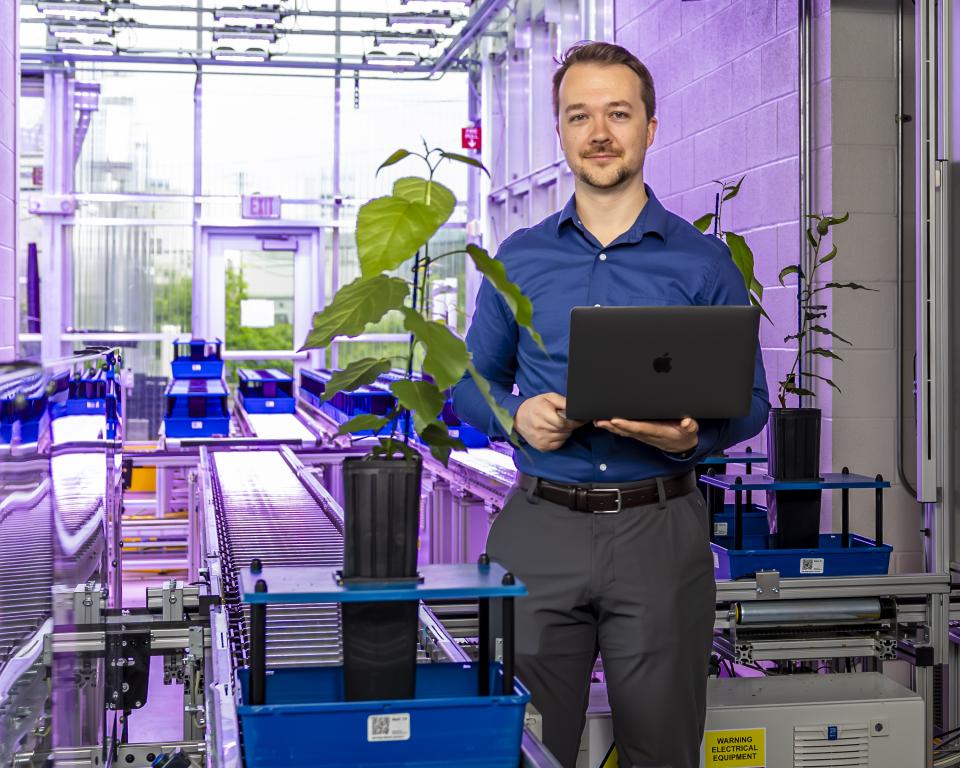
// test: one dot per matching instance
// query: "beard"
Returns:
(608, 178)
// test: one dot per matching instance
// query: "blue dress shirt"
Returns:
(558, 264)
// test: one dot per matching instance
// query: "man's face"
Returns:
(603, 125)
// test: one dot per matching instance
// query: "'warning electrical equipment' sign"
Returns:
(745, 748)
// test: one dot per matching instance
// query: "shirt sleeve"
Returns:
(492, 341)
(727, 288)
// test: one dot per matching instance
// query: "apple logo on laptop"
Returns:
(663, 364)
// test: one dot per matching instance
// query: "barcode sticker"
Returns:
(196, 425)
(811, 565)
(720, 529)
(93, 404)
(388, 727)
(271, 404)
(195, 367)
(716, 560)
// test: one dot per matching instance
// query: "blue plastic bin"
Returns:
(308, 724)
(755, 522)
(196, 408)
(197, 358)
(265, 391)
(862, 558)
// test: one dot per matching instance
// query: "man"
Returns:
(636, 585)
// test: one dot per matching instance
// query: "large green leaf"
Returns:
(821, 352)
(465, 159)
(704, 221)
(755, 301)
(390, 447)
(436, 436)
(496, 273)
(503, 417)
(432, 194)
(829, 257)
(396, 157)
(423, 398)
(827, 332)
(363, 421)
(355, 306)
(823, 378)
(793, 269)
(732, 191)
(447, 356)
(742, 256)
(390, 230)
(358, 374)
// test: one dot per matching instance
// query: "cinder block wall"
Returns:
(859, 167)
(726, 75)
(726, 78)
(9, 89)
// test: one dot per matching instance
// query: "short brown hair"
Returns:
(608, 54)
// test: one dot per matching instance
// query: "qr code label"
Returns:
(388, 727)
(720, 529)
(716, 560)
(195, 367)
(196, 425)
(811, 565)
(271, 404)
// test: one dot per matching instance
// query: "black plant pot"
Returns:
(793, 437)
(381, 525)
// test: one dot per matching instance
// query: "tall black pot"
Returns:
(381, 526)
(793, 438)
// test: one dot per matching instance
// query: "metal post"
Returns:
(483, 666)
(845, 512)
(879, 513)
(258, 644)
(738, 514)
(508, 648)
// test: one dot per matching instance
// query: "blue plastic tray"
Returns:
(861, 558)
(197, 358)
(203, 427)
(754, 522)
(265, 391)
(307, 723)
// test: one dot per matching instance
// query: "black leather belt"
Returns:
(582, 499)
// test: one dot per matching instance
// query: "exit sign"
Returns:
(261, 207)
(470, 137)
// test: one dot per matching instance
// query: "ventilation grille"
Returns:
(813, 747)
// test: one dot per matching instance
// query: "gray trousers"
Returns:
(636, 587)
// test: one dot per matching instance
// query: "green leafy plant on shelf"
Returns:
(814, 322)
(740, 252)
(390, 231)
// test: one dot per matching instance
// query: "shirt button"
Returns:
(603, 467)
(603, 257)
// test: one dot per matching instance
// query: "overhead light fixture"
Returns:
(248, 14)
(72, 9)
(440, 18)
(224, 53)
(89, 30)
(98, 48)
(258, 33)
(423, 37)
(408, 58)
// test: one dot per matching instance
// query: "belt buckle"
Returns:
(619, 501)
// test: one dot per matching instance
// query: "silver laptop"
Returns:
(647, 363)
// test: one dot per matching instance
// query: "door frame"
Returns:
(209, 311)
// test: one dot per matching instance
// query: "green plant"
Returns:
(813, 316)
(390, 231)
(740, 252)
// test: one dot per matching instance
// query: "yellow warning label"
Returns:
(611, 759)
(745, 748)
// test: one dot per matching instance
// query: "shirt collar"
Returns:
(652, 219)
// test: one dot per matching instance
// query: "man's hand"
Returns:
(671, 436)
(540, 422)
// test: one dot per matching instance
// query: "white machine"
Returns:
(859, 720)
